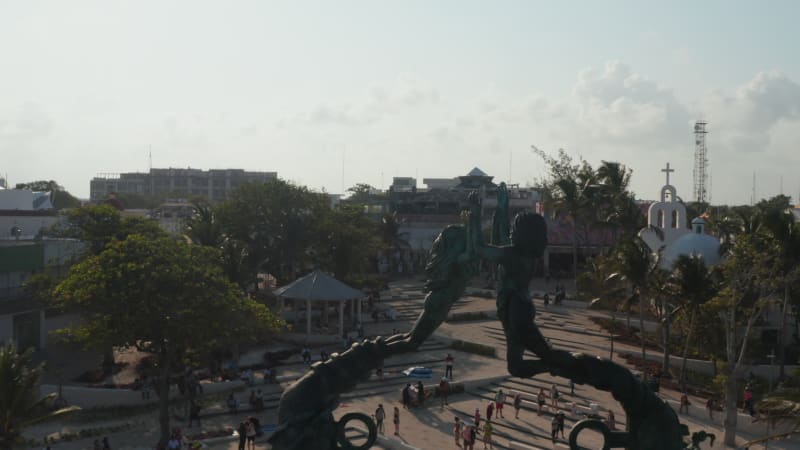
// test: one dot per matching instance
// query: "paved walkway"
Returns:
(430, 427)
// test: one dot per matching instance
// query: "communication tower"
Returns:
(700, 162)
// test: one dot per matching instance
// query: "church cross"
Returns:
(667, 171)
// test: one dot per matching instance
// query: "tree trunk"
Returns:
(574, 256)
(731, 412)
(665, 366)
(781, 332)
(641, 325)
(108, 360)
(686, 345)
(163, 402)
(628, 320)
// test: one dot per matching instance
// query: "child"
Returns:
(487, 434)
(684, 409)
(457, 432)
(396, 421)
(540, 400)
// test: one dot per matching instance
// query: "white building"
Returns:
(666, 219)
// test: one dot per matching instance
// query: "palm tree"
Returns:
(19, 402)
(695, 285)
(203, 227)
(620, 212)
(637, 264)
(575, 196)
(390, 232)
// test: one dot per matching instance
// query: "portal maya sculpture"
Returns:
(305, 414)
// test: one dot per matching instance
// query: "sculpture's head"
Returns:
(529, 233)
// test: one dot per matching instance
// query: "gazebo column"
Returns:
(353, 310)
(341, 318)
(308, 317)
(358, 310)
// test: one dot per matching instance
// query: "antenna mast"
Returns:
(700, 161)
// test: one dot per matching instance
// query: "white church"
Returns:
(674, 237)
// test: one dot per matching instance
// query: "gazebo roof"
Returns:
(318, 285)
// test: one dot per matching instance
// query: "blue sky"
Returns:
(425, 88)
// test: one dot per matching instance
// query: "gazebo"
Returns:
(318, 286)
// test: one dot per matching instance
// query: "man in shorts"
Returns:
(499, 402)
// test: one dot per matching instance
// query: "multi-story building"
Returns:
(22, 318)
(214, 185)
(25, 214)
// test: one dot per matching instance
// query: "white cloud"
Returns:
(745, 119)
(619, 106)
(403, 94)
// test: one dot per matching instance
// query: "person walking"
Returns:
(553, 428)
(684, 408)
(457, 432)
(748, 400)
(554, 394)
(489, 410)
(517, 404)
(396, 421)
(444, 391)
(380, 415)
(561, 419)
(407, 396)
(242, 430)
(473, 436)
(611, 421)
(467, 435)
(710, 405)
(477, 417)
(420, 393)
(448, 366)
(194, 414)
(540, 400)
(487, 434)
(499, 403)
(251, 435)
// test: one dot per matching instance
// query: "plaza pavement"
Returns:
(430, 427)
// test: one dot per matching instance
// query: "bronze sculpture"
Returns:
(305, 412)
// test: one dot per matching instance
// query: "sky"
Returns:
(334, 93)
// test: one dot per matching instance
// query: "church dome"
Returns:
(694, 243)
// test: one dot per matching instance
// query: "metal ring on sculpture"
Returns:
(341, 438)
(611, 439)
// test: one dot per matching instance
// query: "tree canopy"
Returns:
(61, 198)
(161, 296)
(98, 225)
